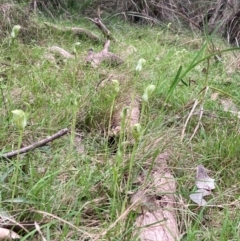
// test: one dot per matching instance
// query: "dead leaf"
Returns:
(9, 223)
(6, 234)
(197, 197)
(203, 181)
(204, 184)
(214, 96)
(228, 105)
(21, 228)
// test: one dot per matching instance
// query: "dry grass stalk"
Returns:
(39, 231)
(65, 222)
(119, 219)
(188, 118)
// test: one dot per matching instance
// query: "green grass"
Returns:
(90, 189)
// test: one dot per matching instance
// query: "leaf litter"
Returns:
(227, 105)
(10, 229)
(204, 185)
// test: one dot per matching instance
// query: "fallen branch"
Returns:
(62, 52)
(54, 52)
(157, 219)
(102, 27)
(95, 59)
(36, 144)
(79, 32)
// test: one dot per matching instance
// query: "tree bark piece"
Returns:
(95, 59)
(157, 220)
(35, 145)
(6, 234)
(79, 32)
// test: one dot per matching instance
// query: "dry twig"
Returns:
(102, 27)
(35, 145)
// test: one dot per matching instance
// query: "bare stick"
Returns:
(102, 27)
(36, 144)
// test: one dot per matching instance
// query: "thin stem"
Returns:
(4, 101)
(130, 175)
(111, 114)
(17, 166)
(75, 110)
(142, 111)
(116, 169)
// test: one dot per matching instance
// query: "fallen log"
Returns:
(157, 217)
(62, 52)
(79, 32)
(95, 59)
